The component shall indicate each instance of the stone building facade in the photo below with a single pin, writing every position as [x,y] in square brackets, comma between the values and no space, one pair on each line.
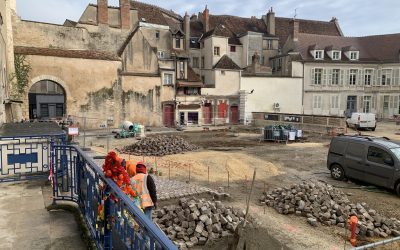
[7,8]
[342,75]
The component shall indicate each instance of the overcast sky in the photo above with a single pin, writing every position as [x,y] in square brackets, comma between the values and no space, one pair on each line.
[356,17]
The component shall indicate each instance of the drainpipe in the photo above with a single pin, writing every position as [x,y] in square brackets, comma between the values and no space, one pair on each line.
[302,92]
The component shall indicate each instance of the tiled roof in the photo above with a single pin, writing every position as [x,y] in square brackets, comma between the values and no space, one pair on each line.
[84,54]
[153,14]
[283,27]
[226,63]
[222,30]
[192,76]
[382,48]
[238,25]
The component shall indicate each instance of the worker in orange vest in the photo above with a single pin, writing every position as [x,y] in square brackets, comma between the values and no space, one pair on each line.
[146,189]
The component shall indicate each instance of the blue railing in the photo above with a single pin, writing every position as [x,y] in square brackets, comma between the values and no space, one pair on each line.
[26,157]
[78,178]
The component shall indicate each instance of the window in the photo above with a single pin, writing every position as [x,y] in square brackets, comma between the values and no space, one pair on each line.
[317,76]
[279,67]
[202,62]
[319,54]
[158,34]
[367,104]
[195,62]
[335,102]
[354,55]
[203,79]
[353,76]
[216,51]
[192,91]
[386,100]
[160,54]
[181,70]
[44,110]
[355,149]
[386,77]
[269,44]
[368,77]
[379,156]
[336,55]
[233,48]
[177,43]
[222,72]
[168,78]
[335,76]
[317,102]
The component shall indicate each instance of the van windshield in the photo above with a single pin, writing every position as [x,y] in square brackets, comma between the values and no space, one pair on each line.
[396,151]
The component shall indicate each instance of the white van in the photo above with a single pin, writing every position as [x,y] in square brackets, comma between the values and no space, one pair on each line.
[362,121]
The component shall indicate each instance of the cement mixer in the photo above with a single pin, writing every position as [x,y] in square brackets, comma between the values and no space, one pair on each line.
[127,129]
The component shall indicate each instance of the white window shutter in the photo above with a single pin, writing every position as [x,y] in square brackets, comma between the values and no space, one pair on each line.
[313,76]
[373,77]
[373,99]
[361,103]
[378,77]
[396,73]
[348,76]
[341,77]
[330,72]
[324,76]
[396,104]
[319,101]
[391,102]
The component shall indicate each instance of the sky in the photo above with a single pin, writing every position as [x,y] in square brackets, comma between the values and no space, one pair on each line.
[356,17]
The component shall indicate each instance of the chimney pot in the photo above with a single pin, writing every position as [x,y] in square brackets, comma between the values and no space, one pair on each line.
[206,19]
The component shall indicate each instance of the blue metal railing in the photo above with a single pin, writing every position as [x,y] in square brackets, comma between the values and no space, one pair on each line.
[78,178]
[26,157]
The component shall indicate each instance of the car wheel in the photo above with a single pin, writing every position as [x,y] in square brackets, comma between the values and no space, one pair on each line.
[337,172]
[373,129]
[398,188]
[118,136]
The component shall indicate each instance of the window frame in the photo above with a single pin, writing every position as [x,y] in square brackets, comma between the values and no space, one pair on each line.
[166,81]
[319,52]
[320,76]
[178,42]
[157,34]
[370,74]
[386,77]
[270,44]
[195,62]
[356,53]
[353,77]
[232,48]
[337,76]
[217,51]
[383,159]
[334,53]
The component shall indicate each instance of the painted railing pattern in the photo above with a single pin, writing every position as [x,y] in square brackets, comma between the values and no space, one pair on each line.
[26,157]
[112,218]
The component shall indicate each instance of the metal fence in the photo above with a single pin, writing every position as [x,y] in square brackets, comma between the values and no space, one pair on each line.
[26,157]
[121,225]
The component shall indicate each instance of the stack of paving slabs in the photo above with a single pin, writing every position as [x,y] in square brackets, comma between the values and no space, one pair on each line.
[159,146]
[195,222]
[323,204]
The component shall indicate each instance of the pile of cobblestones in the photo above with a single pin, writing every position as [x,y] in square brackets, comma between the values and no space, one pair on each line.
[195,222]
[322,203]
[159,146]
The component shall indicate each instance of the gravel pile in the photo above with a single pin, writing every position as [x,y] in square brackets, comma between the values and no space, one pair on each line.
[322,203]
[195,222]
[159,146]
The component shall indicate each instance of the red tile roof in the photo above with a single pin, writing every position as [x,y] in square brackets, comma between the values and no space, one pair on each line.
[84,54]
[226,63]
[192,76]
[154,14]
[381,48]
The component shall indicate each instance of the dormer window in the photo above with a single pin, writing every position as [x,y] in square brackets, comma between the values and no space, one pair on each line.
[336,55]
[354,55]
[319,54]
[160,54]
[178,43]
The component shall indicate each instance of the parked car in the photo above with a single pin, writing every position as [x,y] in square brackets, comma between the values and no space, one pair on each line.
[362,121]
[370,159]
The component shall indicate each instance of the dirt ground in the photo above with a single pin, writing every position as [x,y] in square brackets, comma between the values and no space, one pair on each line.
[276,165]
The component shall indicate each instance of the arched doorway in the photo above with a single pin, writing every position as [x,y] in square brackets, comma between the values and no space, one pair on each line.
[46,100]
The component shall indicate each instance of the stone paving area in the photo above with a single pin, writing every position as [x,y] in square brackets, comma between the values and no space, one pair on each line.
[26,224]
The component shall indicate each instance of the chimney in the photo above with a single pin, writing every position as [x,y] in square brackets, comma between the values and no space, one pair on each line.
[294,29]
[255,63]
[271,22]
[206,19]
[125,12]
[102,12]
[187,31]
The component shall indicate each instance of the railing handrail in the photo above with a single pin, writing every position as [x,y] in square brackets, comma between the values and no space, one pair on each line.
[33,136]
[141,219]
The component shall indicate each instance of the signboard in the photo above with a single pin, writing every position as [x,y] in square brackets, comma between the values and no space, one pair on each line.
[292,118]
[73,131]
[271,117]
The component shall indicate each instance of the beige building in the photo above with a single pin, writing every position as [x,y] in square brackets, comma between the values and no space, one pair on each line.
[344,74]
[114,64]
[7,8]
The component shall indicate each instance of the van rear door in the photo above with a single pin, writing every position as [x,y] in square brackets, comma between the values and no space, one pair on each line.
[354,160]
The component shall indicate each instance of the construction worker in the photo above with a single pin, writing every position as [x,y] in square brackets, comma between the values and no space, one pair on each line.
[146,189]
[131,169]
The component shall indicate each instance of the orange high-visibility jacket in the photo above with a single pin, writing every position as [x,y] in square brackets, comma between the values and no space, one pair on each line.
[142,191]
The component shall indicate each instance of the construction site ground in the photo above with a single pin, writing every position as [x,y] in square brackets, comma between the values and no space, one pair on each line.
[239,151]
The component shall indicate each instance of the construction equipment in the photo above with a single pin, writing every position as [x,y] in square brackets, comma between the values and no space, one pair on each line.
[127,129]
